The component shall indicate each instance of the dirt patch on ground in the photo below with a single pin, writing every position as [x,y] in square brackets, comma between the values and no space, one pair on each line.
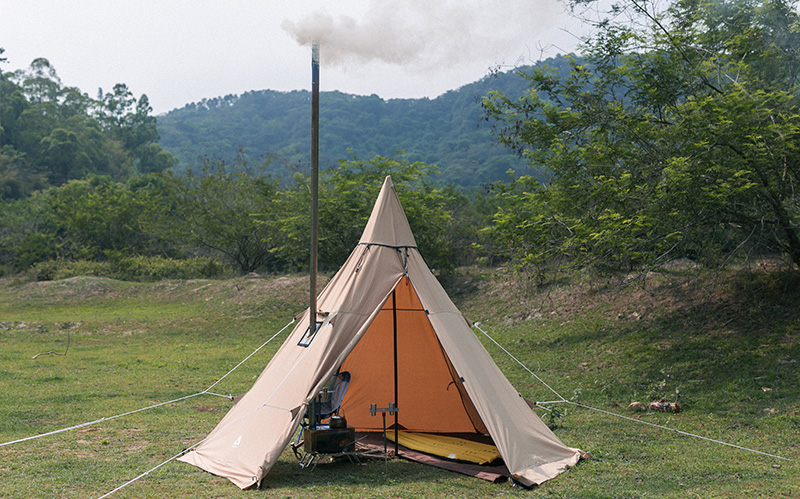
[202,408]
[745,294]
[247,290]
[239,291]
[135,447]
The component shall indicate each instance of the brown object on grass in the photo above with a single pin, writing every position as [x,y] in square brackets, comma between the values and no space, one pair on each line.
[664,406]
[637,407]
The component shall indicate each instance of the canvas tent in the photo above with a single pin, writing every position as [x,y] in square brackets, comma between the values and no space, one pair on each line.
[386,320]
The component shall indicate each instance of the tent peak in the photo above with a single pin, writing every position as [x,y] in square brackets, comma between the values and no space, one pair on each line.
[388,225]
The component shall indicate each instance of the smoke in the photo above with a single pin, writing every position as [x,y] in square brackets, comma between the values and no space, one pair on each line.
[427,34]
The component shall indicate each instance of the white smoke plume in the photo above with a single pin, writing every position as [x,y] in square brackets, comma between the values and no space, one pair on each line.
[428,34]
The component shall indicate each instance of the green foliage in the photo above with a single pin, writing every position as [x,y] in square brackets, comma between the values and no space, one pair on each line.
[52,133]
[675,137]
[239,214]
[95,219]
[214,211]
[27,232]
[347,194]
[525,230]
[62,269]
[99,218]
[16,176]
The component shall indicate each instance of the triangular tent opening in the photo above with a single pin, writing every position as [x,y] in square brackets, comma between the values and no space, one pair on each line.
[429,390]
[389,323]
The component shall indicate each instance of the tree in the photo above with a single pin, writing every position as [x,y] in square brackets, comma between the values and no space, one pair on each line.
[27,232]
[128,120]
[62,155]
[91,219]
[98,219]
[675,135]
[63,134]
[346,196]
[17,178]
[40,82]
[216,209]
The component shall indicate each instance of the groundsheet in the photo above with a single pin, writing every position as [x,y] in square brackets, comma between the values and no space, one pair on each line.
[497,472]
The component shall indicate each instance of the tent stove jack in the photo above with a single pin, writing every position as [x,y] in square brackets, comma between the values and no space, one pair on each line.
[392,410]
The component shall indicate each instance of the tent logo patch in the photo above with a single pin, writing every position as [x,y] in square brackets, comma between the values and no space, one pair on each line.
[237,442]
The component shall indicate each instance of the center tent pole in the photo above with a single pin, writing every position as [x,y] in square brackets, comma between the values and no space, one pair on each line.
[394,325]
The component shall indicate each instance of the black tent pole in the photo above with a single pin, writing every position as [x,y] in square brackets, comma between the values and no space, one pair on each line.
[394,324]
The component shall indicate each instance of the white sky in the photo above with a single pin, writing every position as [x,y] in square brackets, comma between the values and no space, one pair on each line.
[181,51]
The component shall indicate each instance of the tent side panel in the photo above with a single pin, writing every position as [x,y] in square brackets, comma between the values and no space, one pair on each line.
[532,452]
[268,414]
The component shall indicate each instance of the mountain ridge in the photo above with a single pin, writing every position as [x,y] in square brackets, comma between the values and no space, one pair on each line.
[449,131]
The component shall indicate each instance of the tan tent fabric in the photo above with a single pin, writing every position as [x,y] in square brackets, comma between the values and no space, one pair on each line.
[447,382]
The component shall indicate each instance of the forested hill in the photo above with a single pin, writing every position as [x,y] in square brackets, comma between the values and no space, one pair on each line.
[448,131]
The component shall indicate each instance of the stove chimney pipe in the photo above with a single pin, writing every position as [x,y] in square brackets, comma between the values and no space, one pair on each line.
[312,309]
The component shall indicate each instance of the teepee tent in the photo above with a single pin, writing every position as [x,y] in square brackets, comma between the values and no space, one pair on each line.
[386,320]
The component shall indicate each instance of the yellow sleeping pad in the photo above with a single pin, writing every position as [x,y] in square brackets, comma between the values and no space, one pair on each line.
[449,447]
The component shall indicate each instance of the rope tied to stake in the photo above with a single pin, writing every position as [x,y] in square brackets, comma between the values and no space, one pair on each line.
[179,399]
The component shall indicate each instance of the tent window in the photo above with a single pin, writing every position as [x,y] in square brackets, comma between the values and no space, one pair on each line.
[308,336]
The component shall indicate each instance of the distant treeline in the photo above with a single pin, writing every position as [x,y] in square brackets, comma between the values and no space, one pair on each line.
[86,186]
[235,216]
[85,180]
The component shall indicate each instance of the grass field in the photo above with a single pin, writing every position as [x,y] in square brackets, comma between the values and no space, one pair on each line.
[726,348]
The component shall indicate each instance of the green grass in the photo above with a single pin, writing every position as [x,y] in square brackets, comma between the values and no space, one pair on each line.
[727,349]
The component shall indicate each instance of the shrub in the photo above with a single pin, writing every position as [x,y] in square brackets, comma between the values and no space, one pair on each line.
[136,268]
[52,270]
[155,268]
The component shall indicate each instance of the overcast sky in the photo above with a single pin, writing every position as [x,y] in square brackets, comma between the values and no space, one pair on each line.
[181,51]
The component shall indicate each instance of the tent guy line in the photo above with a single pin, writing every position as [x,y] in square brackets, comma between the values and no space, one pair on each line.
[187,449]
[609,413]
[478,327]
[179,399]
[677,431]
[248,357]
[132,480]
[96,421]
[265,404]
